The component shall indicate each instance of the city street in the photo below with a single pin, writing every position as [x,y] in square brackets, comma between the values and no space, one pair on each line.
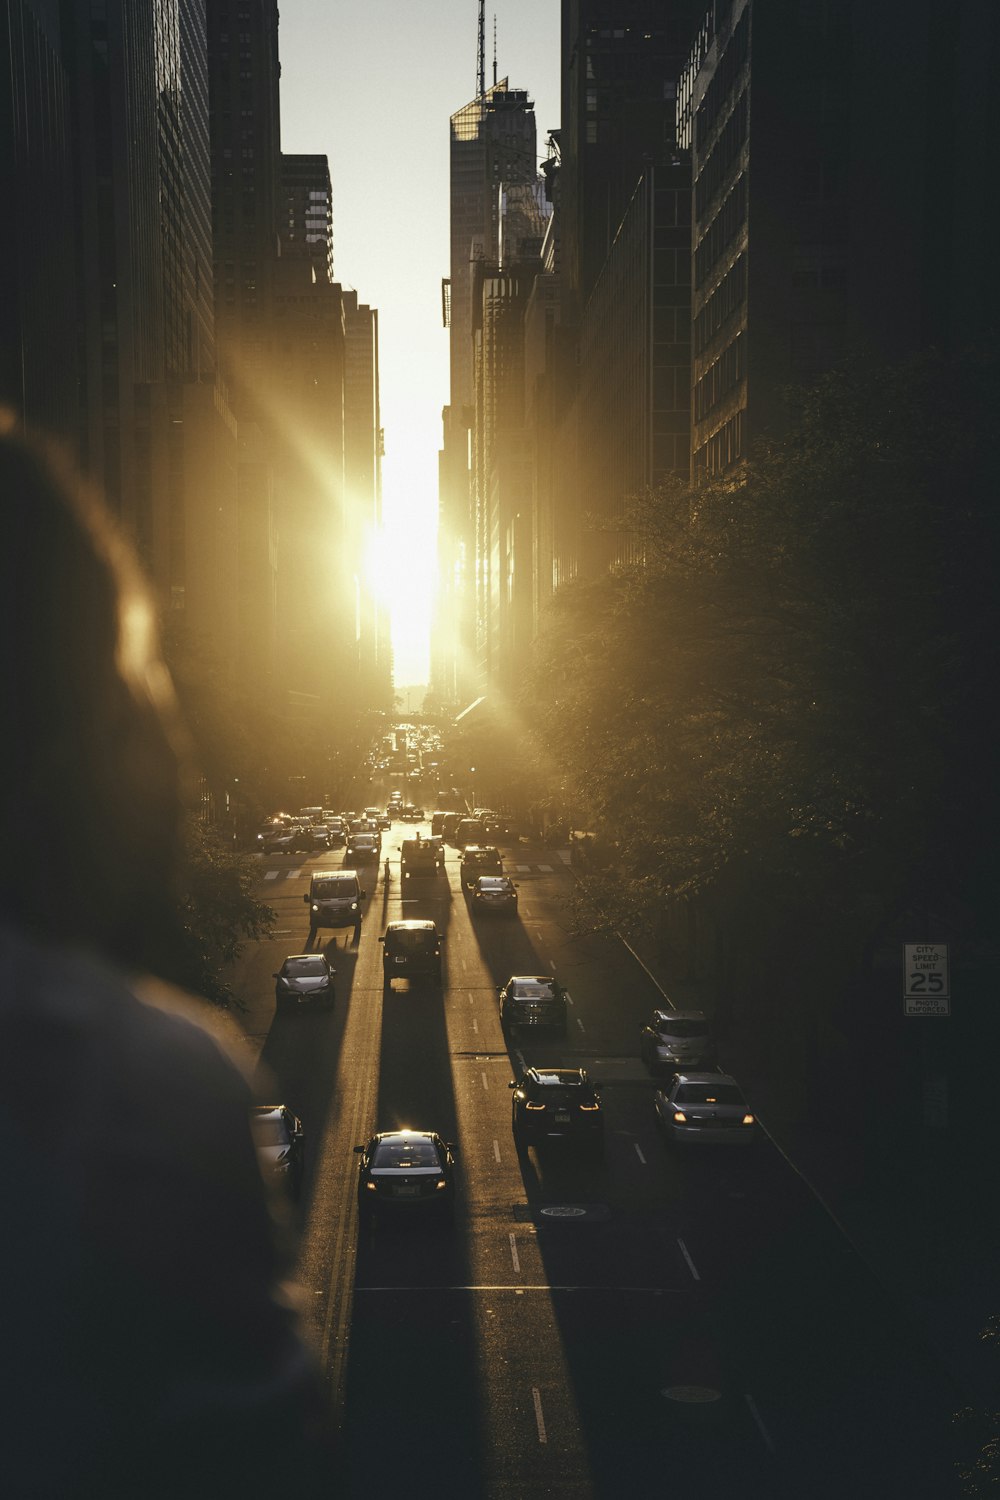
[648,1320]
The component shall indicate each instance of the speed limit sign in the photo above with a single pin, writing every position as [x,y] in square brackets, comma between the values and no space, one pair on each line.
[926,985]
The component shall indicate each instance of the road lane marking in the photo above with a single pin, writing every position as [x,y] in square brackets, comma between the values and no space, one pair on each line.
[496,1149]
[568,997]
[580,1024]
[552,965]
[638,1152]
[522,869]
[545,869]
[485,1081]
[475,1025]
[292,874]
[687,1256]
[513,1255]
[539,1418]
[765,1435]
[271,874]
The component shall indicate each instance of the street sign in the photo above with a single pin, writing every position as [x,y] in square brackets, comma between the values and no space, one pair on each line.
[926,987]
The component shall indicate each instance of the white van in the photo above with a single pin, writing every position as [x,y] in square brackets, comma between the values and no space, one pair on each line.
[334,900]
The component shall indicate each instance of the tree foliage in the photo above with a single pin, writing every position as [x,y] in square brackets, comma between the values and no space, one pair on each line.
[787,708]
[219,912]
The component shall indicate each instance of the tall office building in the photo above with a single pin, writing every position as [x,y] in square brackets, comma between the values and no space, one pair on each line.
[246,186]
[363,486]
[493,142]
[839,151]
[306,211]
[621,60]
[39,370]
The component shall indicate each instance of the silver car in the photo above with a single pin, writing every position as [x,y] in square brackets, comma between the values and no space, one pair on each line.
[705,1109]
[675,1040]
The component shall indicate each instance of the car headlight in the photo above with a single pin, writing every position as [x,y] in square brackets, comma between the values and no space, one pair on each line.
[315,908]
[748,1119]
[441,1183]
[354,906]
[371,1186]
[680,1117]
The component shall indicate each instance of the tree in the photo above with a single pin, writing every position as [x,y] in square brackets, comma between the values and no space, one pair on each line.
[787,709]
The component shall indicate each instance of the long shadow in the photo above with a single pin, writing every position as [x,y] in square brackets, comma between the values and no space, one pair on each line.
[408,1271]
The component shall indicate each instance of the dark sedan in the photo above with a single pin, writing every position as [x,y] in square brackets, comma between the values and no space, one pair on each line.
[494,893]
[557,1104]
[304,981]
[406,1171]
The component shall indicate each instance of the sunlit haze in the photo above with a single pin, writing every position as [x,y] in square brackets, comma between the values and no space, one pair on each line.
[373,87]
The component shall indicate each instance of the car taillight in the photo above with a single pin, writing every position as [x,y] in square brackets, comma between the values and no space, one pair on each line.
[531,1105]
[747,1119]
[590,1107]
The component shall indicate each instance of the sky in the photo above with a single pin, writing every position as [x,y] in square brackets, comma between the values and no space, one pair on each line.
[372,84]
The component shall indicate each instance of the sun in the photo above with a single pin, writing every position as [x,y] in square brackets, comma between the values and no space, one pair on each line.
[400,567]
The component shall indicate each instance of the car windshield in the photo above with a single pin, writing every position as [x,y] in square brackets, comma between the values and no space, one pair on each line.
[534,989]
[709,1093]
[363,840]
[336,886]
[304,968]
[409,1152]
[269,1130]
[670,1026]
[493,883]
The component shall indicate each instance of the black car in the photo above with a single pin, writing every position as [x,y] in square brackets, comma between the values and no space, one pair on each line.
[494,893]
[535,1000]
[280,1142]
[412,950]
[479,859]
[406,1171]
[557,1104]
[304,982]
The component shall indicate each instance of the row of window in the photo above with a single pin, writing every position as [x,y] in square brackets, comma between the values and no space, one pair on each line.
[721,232]
[732,139]
[727,297]
[720,378]
[728,70]
[725,447]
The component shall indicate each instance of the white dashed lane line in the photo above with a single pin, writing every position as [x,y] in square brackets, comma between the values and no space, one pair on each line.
[759,1421]
[539,1416]
[513,1255]
[638,1152]
[496,1149]
[475,1025]
[271,874]
[485,1081]
[580,1024]
[687,1256]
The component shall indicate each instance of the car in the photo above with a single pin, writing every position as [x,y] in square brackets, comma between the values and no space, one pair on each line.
[406,1172]
[479,859]
[334,899]
[419,856]
[409,813]
[336,831]
[535,1000]
[495,893]
[705,1109]
[439,820]
[280,1141]
[468,831]
[411,950]
[556,1104]
[675,1040]
[436,843]
[304,981]
[363,848]
[281,841]
[318,836]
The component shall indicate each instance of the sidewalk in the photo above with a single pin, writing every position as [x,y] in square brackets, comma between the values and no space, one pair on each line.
[921,1215]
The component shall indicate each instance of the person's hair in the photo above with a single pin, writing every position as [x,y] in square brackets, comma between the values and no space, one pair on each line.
[92,747]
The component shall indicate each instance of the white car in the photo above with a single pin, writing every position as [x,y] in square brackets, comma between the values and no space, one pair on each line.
[705,1109]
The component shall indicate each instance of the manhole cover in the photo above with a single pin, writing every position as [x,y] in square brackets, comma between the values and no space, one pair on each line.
[692,1395]
[564,1211]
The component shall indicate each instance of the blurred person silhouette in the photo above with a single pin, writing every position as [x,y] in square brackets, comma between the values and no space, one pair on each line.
[147,1347]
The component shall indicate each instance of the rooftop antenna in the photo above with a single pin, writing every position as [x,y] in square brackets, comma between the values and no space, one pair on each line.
[494,49]
[482,50]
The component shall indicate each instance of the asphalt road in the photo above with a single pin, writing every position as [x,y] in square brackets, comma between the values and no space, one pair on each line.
[656,1323]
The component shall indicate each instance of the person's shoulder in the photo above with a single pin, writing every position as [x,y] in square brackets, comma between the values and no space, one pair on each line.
[70,993]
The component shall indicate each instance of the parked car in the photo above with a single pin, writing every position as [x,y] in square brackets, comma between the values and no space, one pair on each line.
[676,1040]
[705,1109]
[479,859]
[280,1142]
[494,893]
[411,950]
[304,982]
[406,1172]
[556,1104]
[533,1000]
